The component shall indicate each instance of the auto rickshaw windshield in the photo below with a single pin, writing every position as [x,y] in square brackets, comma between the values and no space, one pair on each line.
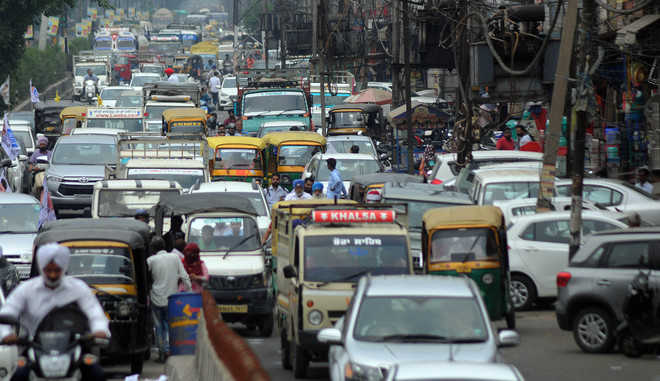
[237,158]
[111,262]
[296,154]
[462,245]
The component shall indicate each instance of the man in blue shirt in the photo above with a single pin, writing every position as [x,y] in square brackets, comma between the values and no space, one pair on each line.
[336,187]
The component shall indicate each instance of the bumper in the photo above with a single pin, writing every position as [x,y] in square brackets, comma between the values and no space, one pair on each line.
[563,320]
[72,202]
[259,302]
[311,344]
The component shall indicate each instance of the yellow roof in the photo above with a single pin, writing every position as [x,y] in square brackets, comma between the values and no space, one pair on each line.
[277,138]
[284,205]
[217,141]
[463,215]
[184,112]
[208,46]
[73,111]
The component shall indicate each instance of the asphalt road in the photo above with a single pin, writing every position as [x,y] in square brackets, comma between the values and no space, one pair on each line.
[546,353]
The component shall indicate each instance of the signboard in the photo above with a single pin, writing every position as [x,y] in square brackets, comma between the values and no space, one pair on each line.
[113,113]
[353,216]
[53,26]
[93,13]
[165,171]
[29,33]
[131,12]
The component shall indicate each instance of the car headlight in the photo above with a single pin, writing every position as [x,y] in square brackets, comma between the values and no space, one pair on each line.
[354,371]
[315,317]
[26,257]
[487,278]
[54,365]
[55,179]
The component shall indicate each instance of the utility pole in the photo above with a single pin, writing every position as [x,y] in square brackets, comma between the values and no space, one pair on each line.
[551,143]
[582,106]
[264,34]
[396,68]
[464,95]
[236,21]
[406,68]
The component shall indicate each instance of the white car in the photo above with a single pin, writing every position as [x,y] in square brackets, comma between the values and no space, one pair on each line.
[445,164]
[349,165]
[228,92]
[512,209]
[343,144]
[504,184]
[111,94]
[538,250]
[140,79]
[616,195]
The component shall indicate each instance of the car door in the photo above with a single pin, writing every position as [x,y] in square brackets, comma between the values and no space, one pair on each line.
[545,252]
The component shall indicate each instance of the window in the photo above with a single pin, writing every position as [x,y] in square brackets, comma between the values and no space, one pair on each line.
[590,226]
[524,210]
[627,255]
[596,194]
[548,231]
[594,260]
[463,245]
[509,191]
[224,233]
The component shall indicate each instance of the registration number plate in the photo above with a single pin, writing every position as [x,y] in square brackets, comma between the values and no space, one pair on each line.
[241,309]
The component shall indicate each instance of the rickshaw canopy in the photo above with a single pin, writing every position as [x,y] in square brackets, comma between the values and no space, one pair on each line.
[78,112]
[463,215]
[278,138]
[363,107]
[186,113]
[100,224]
[219,141]
[133,239]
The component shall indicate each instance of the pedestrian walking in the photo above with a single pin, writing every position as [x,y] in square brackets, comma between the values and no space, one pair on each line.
[336,188]
[195,267]
[166,271]
[214,88]
[298,192]
[274,193]
[175,232]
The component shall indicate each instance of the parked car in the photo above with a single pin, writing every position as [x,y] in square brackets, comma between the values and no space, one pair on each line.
[399,319]
[446,168]
[504,184]
[591,290]
[538,250]
[617,195]
[228,92]
[512,209]
[19,223]
[463,182]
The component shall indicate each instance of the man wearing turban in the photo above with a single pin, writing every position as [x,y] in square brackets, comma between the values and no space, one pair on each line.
[298,192]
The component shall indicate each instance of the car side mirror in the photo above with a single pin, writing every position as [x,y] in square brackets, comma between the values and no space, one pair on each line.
[508,338]
[330,336]
[6,163]
[289,271]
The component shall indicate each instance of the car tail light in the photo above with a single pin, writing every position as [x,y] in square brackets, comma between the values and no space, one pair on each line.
[563,278]
[146,114]
[436,181]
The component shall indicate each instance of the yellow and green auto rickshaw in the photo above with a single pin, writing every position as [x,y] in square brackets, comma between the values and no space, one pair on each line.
[471,241]
[184,121]
[288,152]
[236,158]
[109,254]
[72,117]
[352,119]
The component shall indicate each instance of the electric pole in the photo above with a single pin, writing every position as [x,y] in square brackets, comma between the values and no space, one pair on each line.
[406,63]
[396,40]
[264,33]
[551,143]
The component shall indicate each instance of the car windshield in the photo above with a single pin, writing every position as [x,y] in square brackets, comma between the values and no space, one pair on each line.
[296,155]
[104,265]
[81,70]
[141,80]
[111,94]
[163,47]
[130,99]
[125,203]
[104,44]
[19,218]
[185,177]
[223,233]
[344,146]
[85,154]
[126,44]
[130,125]
[24,139]
[156,112]
[349,168]
[344,258]
[416,209]
[267,101]
[152,69]
[462,245]
[237,158]
[414,318]
[231,82]
[510,191]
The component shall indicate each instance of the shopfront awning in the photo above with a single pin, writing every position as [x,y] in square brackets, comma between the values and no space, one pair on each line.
[627,36]
[421,113]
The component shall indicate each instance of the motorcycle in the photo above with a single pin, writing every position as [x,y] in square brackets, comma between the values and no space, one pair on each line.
[639,333]
[89,91]
[39,175]
[59,347]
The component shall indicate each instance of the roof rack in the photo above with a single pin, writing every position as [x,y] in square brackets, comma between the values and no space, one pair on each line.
[147,145]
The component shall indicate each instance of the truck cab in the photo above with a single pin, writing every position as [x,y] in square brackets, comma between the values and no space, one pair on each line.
[321,249]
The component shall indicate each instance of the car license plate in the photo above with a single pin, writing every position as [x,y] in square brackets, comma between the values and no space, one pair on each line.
[463,268]
[241,309]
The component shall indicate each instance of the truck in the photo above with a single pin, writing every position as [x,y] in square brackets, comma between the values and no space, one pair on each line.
[272,96]
[100,66]
[320,249]
[160,96]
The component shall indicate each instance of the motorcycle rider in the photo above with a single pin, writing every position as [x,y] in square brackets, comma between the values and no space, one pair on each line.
[38,174]
[33,299]
[91,77]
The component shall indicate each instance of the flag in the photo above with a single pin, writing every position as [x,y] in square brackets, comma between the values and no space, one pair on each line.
[4,91]
[57,96]
[47,211]
[34,94]
[9,144]
[4,184]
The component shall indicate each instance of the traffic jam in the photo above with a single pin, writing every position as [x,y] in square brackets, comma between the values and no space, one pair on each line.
[342,237]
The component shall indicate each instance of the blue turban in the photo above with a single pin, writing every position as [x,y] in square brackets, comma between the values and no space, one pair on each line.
[317,186]
[298,182]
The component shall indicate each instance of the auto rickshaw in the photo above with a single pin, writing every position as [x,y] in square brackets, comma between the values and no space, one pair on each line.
[110,256]
[72,117]
[179,63]
[287,153]
[47,118]
[184,120]
[363,185]
[236,158]
[351,119]
[471,241]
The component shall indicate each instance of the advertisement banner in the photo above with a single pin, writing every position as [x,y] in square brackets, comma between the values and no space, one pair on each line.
[53,26]
[92,13]
[29,33]
[131,12]
[122,12]
[79,29]
[109,13]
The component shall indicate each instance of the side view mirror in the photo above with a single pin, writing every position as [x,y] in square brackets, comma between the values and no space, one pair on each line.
[330,336]
[508,338]
[6,163]
[289,271]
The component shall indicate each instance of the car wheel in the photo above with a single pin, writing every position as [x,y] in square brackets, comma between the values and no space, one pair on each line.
[593,330]
[523,292]
[299,361]
[285,356]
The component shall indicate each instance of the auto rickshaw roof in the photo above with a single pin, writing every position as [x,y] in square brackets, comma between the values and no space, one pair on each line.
[184,113]
[186,204]
[51,105]
[463,215]
[386,177]
[124,224]
[277,138]
[217,141]
[73,111]
[366,107]
[133,239]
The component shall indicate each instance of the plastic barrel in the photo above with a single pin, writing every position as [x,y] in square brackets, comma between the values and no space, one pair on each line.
[183,311]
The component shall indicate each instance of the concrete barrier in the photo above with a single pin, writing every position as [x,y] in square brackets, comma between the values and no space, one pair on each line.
[220,353]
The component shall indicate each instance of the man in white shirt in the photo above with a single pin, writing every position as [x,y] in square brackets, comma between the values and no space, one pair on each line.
[214,88]
[166,270]
[33,299]
[275,193]
[298,192]
[643,180]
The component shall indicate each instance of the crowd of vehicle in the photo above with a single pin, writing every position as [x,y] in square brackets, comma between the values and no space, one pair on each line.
[399,277]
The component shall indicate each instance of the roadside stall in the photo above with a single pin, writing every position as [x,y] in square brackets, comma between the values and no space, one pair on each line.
[236,158]
[72,117]
[287,153]
[126,119]
[185,121]
[351,119]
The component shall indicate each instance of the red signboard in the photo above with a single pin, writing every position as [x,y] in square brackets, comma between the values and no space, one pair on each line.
[353,216]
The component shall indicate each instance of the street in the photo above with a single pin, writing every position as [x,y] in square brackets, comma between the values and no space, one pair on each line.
[545,354]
